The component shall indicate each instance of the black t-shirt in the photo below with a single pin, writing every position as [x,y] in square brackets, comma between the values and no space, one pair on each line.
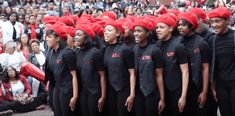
[180,52]
[118,58]
[127,54]
[204,47]
[175,54]
[89,62]
[225,58]
[157,56]
[60,63]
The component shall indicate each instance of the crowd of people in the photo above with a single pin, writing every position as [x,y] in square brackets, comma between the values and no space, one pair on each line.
[117,58]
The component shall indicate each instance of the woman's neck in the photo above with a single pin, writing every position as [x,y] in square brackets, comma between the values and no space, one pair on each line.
[143,43]
[12,79]
[113,42]
[56,47]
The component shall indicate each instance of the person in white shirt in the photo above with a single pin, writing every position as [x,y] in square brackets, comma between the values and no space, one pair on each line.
[12,57]
[12,29]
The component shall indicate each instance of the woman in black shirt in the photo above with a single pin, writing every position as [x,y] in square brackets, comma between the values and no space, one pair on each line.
[90,70]
[175,67]
[198,53]
[61,71]
[223,63]
[119,64]
[150,99]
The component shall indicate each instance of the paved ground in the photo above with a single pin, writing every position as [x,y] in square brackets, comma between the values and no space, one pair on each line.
[46,112]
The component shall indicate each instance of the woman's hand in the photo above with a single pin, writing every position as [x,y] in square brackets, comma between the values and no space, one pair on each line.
[161,106]
[101,104]
[129,103]
[202,99]
[181,104]
[72,103]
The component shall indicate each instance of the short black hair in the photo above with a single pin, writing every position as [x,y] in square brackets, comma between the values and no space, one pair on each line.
[12,14]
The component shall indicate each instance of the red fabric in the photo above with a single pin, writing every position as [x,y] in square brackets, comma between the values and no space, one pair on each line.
[7,87]
[173,16]
[59,28]
[110,15]
[117,25]
[161,10]
[25,53]
[126,22]
[167,20]
[98,29]
[28,69]
[192,18]
[70,30]
[1,48]
[88,30]
[67,20]
[221,12]
[33,31]
[174,11]
[144,23]
[199,12]
[49,18]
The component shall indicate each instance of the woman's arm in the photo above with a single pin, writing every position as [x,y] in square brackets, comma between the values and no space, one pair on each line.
[185,80]
[103,91]
[26,84]
[205,76]
[75,90]
[160,84]
[130,99]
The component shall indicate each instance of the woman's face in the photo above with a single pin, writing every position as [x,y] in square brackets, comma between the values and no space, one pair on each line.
[52,41]
[126,31]
[10,50]
[140,34]
[24,39]
[11,72]
[35,47]
[110,33]
[218,24]
[79,38]
[183,28]
[21,19]
[163,31]
[8,10]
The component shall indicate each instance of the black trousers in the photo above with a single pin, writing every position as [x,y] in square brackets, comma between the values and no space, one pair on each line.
[211,104]
[192,101]
[115,103]
[225,92]
[17,107]
[171,101]
[88,103]
[5,105]
[146,105]
[61,102]
[50,96]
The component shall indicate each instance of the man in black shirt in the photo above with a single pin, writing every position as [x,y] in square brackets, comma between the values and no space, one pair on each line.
[223,65]
[175,67]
